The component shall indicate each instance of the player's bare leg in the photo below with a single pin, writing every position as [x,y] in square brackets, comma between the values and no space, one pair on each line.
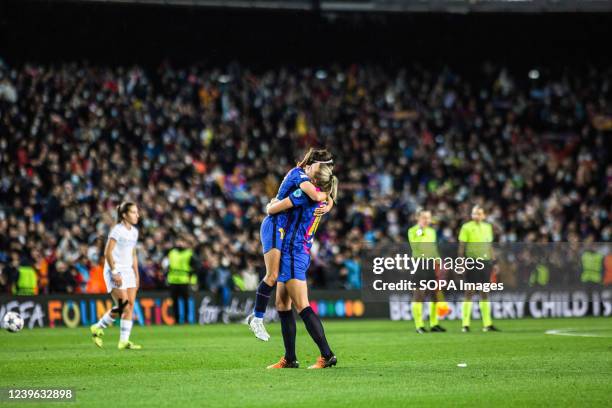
[272,261]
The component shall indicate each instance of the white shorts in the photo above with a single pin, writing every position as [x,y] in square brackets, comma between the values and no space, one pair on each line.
[128,279]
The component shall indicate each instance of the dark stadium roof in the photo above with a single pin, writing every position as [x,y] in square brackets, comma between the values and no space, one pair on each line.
[450,6]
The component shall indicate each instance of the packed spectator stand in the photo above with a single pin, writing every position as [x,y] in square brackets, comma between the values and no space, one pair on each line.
[203,150]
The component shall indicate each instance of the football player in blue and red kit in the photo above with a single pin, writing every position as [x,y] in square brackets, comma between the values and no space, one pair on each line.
[273,230]
[292,289]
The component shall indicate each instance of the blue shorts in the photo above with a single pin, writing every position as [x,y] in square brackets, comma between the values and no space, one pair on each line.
[293,267]
[271,234]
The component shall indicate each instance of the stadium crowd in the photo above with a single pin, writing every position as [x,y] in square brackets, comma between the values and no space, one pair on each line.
[203,150]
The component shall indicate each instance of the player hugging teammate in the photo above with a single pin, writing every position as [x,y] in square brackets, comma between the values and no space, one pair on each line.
[300,215]
[273,229]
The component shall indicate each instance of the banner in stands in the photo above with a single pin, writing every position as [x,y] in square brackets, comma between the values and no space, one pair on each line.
[156,308]
[516,305]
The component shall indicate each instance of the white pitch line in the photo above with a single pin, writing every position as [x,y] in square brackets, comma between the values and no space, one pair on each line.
[568,332]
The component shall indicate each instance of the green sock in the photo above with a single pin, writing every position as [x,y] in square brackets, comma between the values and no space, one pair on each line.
[485,311]
[417,314]
[466,312]
[433,315]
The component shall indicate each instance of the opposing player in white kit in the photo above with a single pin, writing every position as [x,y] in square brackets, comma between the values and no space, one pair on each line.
[121,276]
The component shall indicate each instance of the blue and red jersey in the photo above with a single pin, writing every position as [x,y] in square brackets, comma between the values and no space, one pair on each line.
[291,182]
[302,223]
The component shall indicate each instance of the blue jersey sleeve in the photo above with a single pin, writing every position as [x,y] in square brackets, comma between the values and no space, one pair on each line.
[298,176]
[292,180]
[298,198]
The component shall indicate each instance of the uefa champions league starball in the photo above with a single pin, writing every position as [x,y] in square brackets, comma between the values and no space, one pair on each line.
[12,322]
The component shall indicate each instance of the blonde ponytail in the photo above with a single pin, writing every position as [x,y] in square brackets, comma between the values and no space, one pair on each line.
[333,191]
[324,179]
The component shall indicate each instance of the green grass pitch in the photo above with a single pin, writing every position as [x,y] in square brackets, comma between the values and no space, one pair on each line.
[381,363]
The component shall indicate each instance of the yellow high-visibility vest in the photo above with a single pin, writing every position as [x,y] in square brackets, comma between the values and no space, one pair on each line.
[179,270]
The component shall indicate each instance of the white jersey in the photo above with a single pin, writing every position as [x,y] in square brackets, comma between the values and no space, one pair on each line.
[123,253]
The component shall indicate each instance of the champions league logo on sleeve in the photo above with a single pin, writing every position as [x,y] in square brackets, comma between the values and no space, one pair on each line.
[297,193]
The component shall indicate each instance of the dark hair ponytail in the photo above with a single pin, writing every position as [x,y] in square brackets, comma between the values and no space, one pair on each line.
[316,156]
[123,209]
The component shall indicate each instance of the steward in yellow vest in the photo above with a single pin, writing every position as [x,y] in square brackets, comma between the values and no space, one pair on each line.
[592,267]
[181,275]
[27,282]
